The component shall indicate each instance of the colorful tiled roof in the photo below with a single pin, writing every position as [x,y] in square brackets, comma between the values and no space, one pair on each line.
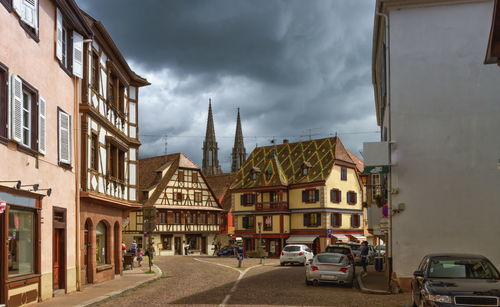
[281,165]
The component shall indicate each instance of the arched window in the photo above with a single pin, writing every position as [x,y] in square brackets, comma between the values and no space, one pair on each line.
[101,251]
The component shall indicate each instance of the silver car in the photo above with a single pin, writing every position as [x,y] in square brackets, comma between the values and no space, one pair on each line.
[331,268]
[296,253]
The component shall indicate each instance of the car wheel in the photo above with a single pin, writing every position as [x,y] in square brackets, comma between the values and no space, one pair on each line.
[282,263]
[309,283]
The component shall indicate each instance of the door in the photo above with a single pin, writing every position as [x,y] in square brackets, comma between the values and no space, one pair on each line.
[58,259]
[203,245]
[178,245]
[86,255]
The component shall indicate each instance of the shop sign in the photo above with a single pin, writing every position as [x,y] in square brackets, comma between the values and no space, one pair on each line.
[382,169]
[3,205]
[330,233]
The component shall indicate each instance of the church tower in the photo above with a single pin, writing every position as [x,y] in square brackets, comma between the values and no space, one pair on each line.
[238,155]
[210,150]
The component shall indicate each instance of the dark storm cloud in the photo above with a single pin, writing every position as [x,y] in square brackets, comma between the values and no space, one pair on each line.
[290,65]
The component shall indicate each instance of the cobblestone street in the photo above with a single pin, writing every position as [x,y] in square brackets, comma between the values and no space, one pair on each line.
[214,281]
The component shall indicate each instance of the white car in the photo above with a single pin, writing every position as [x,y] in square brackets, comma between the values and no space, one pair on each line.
[296,253]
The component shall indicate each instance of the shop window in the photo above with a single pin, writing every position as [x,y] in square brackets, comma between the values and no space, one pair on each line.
[166,242]
[335,196]
[21,246]
[268,222]
[343,173]
[192,241]
[197,197]
[312,219]
[138,239]
[101,244]
[310,196]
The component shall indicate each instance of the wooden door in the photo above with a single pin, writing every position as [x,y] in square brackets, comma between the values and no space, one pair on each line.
[58,259]
[86,250]
[178,245]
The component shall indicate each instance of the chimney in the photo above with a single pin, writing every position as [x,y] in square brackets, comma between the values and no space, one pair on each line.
[285,141]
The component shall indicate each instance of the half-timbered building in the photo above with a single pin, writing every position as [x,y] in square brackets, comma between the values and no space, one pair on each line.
[188,213]
[306,192]
[109,150]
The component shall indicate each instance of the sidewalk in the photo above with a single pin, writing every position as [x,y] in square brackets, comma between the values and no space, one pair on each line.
[94,293]
[374,283]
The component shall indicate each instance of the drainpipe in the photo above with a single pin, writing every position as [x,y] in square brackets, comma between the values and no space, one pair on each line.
[389,135]
[76,148]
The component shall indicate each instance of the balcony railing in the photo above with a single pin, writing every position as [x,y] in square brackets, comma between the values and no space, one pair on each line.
[271,206]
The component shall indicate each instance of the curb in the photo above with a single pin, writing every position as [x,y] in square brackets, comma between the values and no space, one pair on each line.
[158,275]
[369,291]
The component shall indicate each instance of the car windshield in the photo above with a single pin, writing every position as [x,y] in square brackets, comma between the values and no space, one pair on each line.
[338,250]
[462,268]
[291,248]
[329,258]
[381,247]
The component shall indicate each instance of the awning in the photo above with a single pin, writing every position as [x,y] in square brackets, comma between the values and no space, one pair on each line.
[359,237]
[301,239]
[340,237]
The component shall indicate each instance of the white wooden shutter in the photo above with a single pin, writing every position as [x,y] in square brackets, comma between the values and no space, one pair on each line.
[77,55]
[18,6]
[59,35]
[16,109]
[30,13]
[41,125]
[64,138]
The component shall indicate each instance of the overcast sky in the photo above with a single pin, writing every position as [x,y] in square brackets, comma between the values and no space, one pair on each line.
[295,68]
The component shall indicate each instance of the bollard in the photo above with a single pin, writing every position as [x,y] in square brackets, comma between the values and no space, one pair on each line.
[240,259]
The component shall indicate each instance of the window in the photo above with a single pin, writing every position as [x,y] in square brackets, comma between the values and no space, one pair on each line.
[94,152]
[194,177]
[21,238]
[248,222]
[211,219]
[177,217]
[116,154]
[178,196]
[355,220]
[305,168]
[116,97]
[95,71]
[336,220]
[305,171]
[197,197]
[69,46]
[100,242]
[255,172]
[375,185]
[64,137]
[203,218]
[273,197]
[310,196]
[166,241]
[335,196]
[268,222]
[189,218]
[247,199]
[163,217]
[352,198]
[343,173]
[28,12]
[26,122]
[180,176]
[312,219]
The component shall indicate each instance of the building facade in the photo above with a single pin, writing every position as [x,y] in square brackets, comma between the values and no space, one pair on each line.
[40,72]
[109,154]
[188,213]
[307,192]
[437,106]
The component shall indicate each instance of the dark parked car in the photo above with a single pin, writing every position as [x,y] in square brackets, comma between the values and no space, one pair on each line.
[456,280]
[228,251]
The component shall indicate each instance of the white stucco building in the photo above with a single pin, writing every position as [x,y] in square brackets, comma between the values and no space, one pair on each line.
[438,106]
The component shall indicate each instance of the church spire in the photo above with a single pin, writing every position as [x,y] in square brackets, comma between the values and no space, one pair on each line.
[210,150]
[239,153]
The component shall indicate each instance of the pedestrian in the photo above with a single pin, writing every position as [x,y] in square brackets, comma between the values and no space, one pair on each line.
[133,248]
[139,256]
[186,249]
[124,248]
[364,256]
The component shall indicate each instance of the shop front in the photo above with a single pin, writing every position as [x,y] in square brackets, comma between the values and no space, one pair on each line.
[20,263]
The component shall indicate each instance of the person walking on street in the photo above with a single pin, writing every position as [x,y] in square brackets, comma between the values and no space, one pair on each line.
[133,248]
[364,256]
[139,256]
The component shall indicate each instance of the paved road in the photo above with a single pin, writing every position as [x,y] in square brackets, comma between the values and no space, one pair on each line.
[215,281]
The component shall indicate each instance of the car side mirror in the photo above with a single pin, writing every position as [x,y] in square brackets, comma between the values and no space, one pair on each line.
[418,273]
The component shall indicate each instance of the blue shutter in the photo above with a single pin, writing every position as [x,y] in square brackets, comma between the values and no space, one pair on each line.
[316,195]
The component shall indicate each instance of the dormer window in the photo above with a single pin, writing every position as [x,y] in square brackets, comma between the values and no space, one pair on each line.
[255,173]
[305,168]
[269,174]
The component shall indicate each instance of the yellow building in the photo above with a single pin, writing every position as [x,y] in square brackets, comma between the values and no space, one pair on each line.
[307,192]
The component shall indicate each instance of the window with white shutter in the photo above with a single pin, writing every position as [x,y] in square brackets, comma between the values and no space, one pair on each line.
[16,105]
[64,138]
[30,13]
[77,55]
[41,125]
[59,35]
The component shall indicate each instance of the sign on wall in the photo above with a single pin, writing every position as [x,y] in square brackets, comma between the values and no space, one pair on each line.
[3,205]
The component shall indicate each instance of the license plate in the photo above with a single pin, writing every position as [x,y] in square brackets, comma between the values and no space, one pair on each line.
[332,277]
